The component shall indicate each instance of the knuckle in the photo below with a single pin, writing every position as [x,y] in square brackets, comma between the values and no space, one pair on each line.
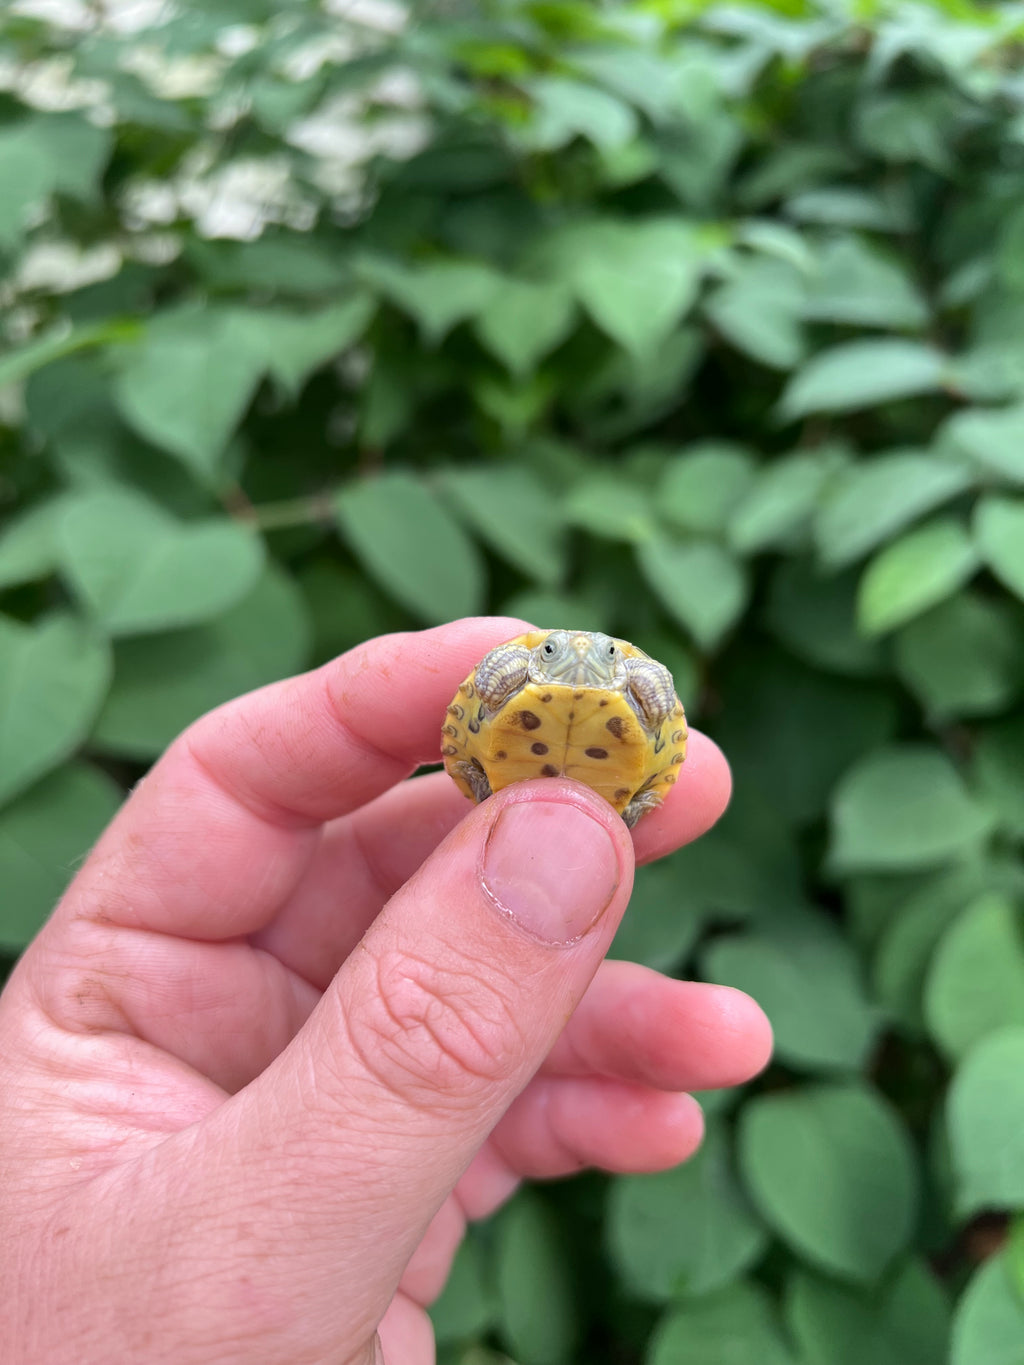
[437,1035]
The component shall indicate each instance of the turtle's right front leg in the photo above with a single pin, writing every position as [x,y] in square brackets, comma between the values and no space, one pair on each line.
[500,674]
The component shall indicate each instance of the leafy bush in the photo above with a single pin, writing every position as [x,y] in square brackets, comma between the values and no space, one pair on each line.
[702,325]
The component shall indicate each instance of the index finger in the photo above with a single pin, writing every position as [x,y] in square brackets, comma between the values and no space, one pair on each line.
[216,837]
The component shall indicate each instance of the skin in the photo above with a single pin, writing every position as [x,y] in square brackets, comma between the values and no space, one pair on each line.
[296,1020]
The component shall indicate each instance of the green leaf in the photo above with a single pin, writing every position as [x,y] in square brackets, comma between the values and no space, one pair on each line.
[860,374]
[611,507]
[662,926]
[780,501]
[764,730]
[904,1322]
[736,1326]
[915,927]
[746,867]
[985,1116]
[870,500]
[536,1307]
[858,286]
[999,535]
[698,582]
[341,608]
[904,807]
[976,981]
[636,279]
[806,978]
[44,154]
[410,544]
[53,677]
[139,570]
[812,612]
[963,658]
[847,206]
[914,573]
[297,344]
[44,350]
[832,1171]
[993,437]
[908,126]
[989,1325]
[758,310]
[162,683]
[685,1231]
[702,485]
[465,1309]
[437,294]
[187,385]
[524,320]
[564,108]
[513,511]
[28,545]
[44,835]
[557,610]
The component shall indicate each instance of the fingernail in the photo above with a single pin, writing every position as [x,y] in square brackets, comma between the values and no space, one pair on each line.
[551,867]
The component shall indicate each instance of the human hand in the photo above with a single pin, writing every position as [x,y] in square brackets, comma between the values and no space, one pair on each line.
[296,1020]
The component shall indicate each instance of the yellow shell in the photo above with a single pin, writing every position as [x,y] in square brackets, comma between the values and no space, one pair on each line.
[596,734]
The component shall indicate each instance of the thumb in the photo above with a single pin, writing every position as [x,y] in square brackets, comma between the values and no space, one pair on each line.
[353,1139]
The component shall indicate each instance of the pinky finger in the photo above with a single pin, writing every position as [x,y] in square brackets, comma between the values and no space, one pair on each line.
[559,1125]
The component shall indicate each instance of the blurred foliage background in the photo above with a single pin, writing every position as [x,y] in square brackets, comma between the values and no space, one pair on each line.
[702,324]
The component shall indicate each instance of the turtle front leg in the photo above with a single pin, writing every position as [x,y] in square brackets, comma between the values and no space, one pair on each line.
[652,693]
[500,674]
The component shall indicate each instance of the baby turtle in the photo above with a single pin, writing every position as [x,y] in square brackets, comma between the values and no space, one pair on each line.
[572,703]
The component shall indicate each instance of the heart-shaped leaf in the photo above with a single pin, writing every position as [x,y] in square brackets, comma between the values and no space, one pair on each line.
[138,570]
[53,677]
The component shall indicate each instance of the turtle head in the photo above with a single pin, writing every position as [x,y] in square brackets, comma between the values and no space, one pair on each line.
[579,658]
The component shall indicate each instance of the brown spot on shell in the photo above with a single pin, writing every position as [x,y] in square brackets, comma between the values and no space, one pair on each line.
[576,696]
[549,770]
[622,794]
[457,711]
[603,701]
[469,690]
[677,758]
[501,755]
[528,720]
[677,735]
[596,753]
[617,726]
[449,749]
[572,715]
[473,727]
[546,696]
[538,748]
[670,777]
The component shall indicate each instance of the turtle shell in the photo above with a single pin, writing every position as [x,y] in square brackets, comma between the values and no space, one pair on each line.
[594,734]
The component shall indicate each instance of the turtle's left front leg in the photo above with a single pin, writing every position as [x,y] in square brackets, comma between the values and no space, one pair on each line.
[651,691]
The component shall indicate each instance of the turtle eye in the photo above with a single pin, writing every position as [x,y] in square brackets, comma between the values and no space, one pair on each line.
[549,649]
[611,651]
